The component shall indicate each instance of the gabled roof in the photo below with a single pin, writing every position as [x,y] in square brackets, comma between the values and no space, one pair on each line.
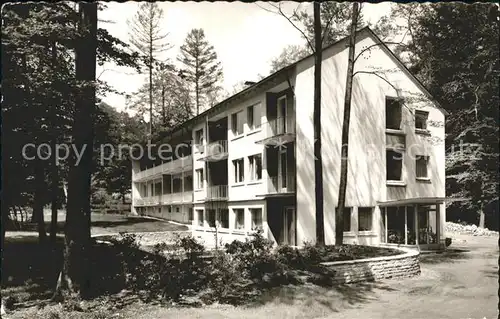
[285,73]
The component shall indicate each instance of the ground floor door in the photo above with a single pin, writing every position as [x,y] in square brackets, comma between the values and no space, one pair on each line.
[289,226]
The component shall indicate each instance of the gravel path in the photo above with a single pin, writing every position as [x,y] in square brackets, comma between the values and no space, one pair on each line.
[452,285]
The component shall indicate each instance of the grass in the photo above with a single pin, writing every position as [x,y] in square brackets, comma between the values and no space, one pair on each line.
[111,223]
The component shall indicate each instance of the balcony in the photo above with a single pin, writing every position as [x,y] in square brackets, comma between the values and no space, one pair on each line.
[165,199]
[179,165]
[281,184]
[217,192]
[278,131]
[149,201]
[179,197]
[215,151]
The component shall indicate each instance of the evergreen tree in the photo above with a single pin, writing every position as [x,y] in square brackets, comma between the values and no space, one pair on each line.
[201,69]
[147,37]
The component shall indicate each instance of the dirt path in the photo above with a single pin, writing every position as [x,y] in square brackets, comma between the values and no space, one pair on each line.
[452,285]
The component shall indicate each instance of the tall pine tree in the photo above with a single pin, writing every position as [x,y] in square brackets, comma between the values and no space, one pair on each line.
[201,67]
[147,37]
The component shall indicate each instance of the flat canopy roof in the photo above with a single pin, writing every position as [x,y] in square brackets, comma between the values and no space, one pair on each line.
[412,201]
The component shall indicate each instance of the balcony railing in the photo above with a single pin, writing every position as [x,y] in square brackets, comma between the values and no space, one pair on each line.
[217,192]
[178,165]
[165,199]
[281,184]
[151,201]
[215,151]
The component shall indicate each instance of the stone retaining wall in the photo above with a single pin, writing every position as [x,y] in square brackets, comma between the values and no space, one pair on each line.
[398,266]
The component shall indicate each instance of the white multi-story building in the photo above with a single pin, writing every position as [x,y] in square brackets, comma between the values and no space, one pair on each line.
[251,164]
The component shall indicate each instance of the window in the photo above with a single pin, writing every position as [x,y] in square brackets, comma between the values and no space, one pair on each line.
[188,183]
[224,218]
[239,215]
[237,123]
[421,120]
[157,188]
[394,162]
[250,117]
[199,178]
[211,218]
[365,218]
[177,209]
[255,167]
[256,214]
[199,214]
[347,219]
[198,140]
[393,113]
[190,214]
[253,116]
[238,170]
[422,163]
[177,184]
[169,209]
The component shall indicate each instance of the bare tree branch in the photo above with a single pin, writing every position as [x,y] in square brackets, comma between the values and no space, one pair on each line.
[374,45]
[280,12]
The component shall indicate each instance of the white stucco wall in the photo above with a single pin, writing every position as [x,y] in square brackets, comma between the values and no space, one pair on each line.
[367,162]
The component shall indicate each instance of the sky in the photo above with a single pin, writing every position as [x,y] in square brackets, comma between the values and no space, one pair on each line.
[245,37]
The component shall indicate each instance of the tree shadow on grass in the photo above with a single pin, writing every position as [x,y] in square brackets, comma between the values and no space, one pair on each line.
[448,256]
[121,223]
[333,298]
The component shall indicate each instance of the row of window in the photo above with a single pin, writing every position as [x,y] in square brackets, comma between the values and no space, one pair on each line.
[394,166]
[393,115]
[254,170]
[169,185]
[253,119]
[365,219]
[220,218]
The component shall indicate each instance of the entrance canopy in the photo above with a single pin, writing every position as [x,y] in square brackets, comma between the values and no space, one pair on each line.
[414,201]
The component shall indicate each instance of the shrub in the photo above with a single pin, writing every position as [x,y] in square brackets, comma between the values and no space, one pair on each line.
[290,256]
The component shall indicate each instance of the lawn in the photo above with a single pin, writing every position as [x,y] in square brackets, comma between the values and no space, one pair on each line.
[111,223]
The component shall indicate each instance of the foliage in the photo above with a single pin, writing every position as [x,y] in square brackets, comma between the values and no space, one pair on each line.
[172,102]
[455,50]
[290,54]
[335,21]
[201,68]
[113,131]
[146,34]
[38,42]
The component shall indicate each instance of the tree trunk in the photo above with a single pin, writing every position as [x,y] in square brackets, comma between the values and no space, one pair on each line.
[339,216]
[481,217]
[39,200]
[54,203]
[197,98]
[74,278]
[55,171]
[318,163]
[163,113]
